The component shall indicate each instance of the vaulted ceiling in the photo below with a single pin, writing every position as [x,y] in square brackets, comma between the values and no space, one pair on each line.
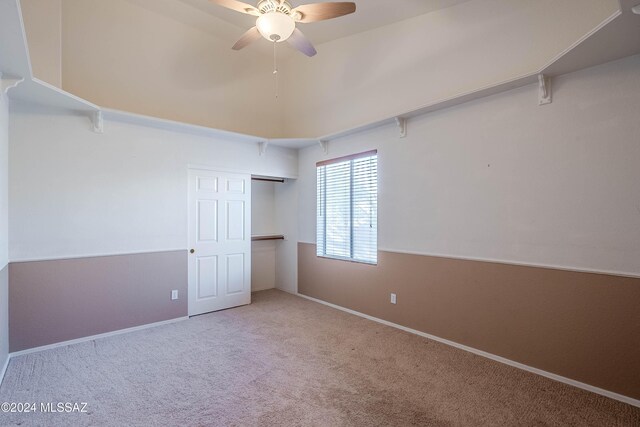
[172,58]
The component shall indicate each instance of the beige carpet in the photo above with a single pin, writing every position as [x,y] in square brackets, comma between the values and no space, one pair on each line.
[287,361]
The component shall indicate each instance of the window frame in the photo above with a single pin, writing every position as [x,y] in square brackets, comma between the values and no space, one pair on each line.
[350,158]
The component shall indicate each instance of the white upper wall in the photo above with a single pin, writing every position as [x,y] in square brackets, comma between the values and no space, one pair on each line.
[504,179]
[43,25]
[263,209]
[401,67]
[78,193]
[121,55]
[286,216]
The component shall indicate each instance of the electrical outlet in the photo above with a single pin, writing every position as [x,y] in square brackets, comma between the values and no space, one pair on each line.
[174,295]
[393,299]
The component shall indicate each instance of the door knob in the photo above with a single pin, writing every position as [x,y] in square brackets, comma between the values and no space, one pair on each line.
[192,250]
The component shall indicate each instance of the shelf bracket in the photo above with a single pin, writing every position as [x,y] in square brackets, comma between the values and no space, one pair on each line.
[262,147]
[544,89]
[7,83]
[324,145]
[98,121]
[402,125]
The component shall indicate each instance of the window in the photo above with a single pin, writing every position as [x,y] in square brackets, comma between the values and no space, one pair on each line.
[347,217]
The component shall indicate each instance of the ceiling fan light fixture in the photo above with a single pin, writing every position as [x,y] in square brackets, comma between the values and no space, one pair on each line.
[277,20]
[276,26]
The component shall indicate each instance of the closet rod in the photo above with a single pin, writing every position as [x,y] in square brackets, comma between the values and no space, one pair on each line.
[270,237]
[260,178]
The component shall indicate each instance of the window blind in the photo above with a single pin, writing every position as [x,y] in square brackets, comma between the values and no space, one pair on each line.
[347,208]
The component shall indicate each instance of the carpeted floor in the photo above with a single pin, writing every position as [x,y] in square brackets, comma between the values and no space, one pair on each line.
[284,360]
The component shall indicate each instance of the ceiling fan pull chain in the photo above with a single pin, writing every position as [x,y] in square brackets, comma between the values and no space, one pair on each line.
[275,66]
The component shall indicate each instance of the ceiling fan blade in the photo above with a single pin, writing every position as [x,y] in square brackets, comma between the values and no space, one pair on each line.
[238,6]
[302,43]
[247,38]
[320,11]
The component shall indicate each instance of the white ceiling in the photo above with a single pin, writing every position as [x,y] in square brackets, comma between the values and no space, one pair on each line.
[370,14]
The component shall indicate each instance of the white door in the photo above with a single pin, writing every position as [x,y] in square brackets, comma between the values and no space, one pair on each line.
[219,240]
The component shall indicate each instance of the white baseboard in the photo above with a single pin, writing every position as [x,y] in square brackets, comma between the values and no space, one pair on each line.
[94,337]
[569,381]
[4,368]
[263,289]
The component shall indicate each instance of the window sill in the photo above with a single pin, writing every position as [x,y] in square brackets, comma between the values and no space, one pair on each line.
[356,261]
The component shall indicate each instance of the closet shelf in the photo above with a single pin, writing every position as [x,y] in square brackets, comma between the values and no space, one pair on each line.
[258,238]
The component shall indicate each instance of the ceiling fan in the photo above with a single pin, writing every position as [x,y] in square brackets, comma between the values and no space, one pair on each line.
[277,20]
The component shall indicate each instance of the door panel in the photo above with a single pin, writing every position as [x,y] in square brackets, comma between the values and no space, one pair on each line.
[235,273]
[206,183]
[220,236]
[207,220]
[207,276]
[235,220]
[236,186]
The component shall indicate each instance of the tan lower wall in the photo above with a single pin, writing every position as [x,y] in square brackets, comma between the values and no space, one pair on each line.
[581,326]
[61,300]
[4,317]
